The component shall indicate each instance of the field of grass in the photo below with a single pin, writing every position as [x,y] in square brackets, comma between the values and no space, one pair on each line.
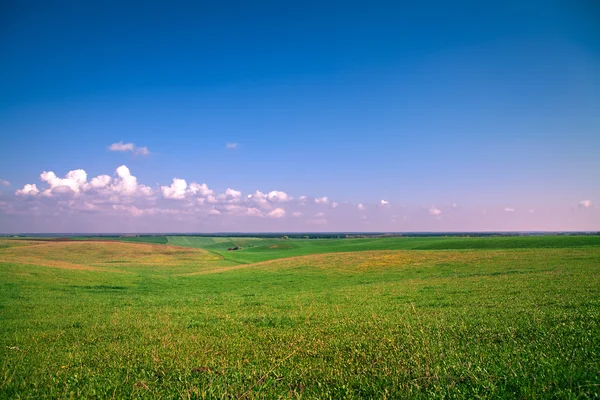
[219,244]
[258,249]
[145,239]
[350,318]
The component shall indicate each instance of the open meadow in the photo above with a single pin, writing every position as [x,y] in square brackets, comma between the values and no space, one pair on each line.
[183,317]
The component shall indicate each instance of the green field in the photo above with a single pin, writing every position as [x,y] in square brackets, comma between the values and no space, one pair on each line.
[258,249]
[183,317]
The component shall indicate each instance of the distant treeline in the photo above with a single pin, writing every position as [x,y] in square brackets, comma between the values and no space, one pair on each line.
[354,235]
[161,238]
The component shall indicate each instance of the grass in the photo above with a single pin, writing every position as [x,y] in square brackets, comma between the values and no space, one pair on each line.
[403,317]
[145,239]
[258,249]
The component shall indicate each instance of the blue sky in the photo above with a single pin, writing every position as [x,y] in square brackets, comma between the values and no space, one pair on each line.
[466,108]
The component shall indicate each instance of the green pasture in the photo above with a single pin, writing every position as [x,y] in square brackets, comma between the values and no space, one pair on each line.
[301,318]
[259,249]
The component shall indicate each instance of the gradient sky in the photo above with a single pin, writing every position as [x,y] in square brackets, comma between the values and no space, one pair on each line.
[440,116]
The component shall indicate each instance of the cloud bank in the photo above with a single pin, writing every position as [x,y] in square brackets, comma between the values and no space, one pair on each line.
[119,202]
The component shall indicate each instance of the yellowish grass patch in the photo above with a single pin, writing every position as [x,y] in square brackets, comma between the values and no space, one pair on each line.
[88,255]
[380,260]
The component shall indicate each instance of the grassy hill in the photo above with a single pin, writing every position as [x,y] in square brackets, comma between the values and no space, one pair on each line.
[220,244]
[258,249]
[516,318]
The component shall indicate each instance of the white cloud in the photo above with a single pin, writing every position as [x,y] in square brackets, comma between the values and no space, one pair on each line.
[277,213]
[177,189]
[231,195]
[143,151]
[120,146]
[201,190]
[434,211]
[122,194]
[28,190]
[254,212]
[75,183]
[4,183]
[127,184]
[278,196]
[212,199]
[361,206]
[585,203]
[322,200]
[99,182]
[231,145]
[266,200]
[74,180]
[384,203]
[509,209]
[454,205]
[259,198]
